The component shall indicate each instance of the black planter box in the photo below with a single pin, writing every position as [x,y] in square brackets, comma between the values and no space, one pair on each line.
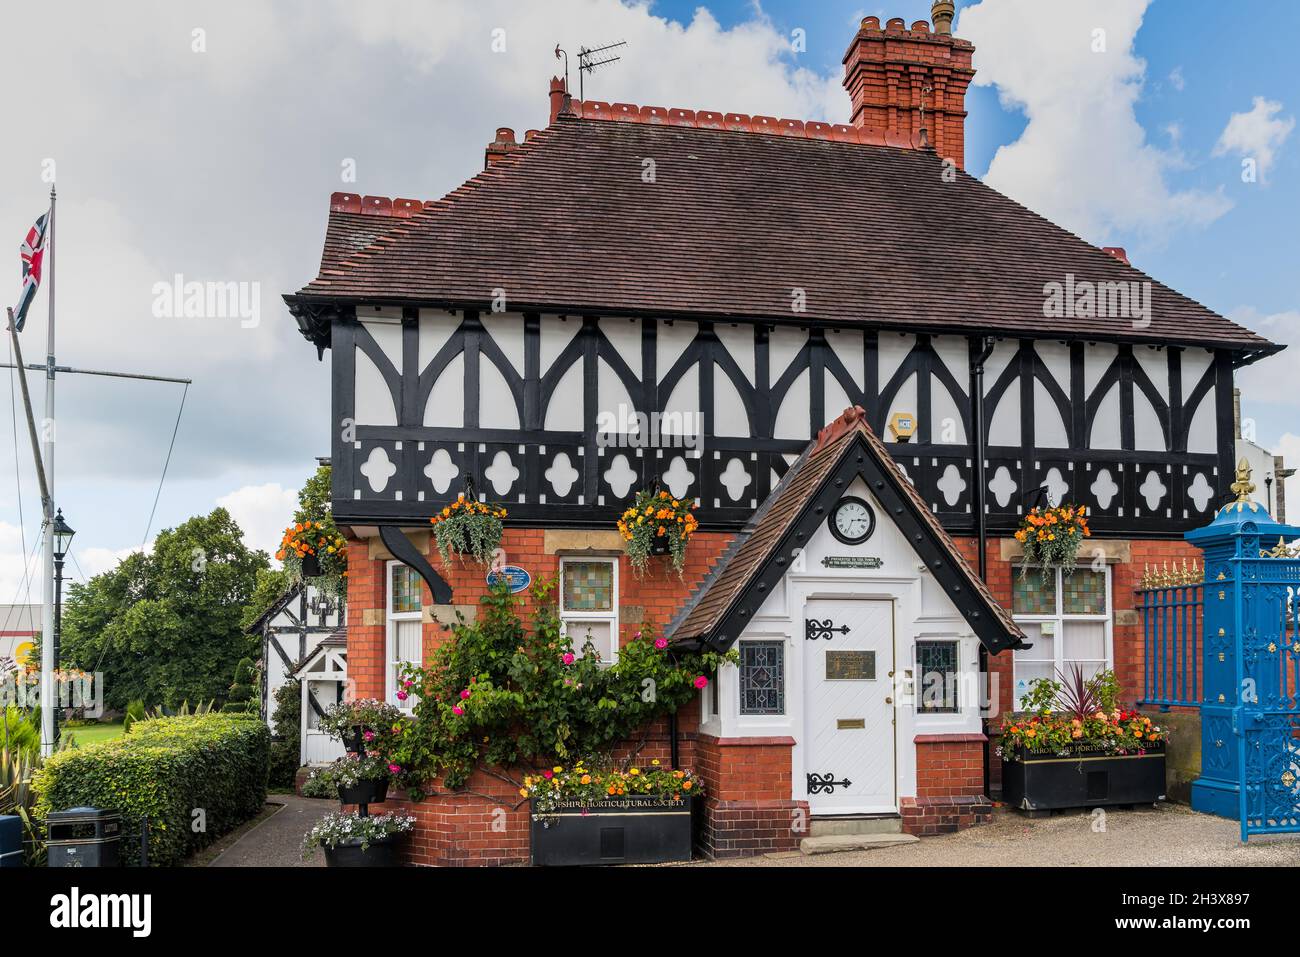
[380,853]
[637,829]
[364,792]
[1046,782]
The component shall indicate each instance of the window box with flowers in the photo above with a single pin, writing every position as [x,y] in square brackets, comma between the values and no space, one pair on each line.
[583,815]
[1051,537]
[657,524]
[1073,746]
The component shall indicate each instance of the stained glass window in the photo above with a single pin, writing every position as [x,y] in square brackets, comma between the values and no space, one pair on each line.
[1084,592]
[762,677]
[405,595]
[1031,594]
[936,664]
[588,586]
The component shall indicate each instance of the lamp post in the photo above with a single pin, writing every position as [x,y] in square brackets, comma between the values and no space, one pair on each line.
[62,540]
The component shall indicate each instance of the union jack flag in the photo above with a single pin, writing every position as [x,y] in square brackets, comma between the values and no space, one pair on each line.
[32,252]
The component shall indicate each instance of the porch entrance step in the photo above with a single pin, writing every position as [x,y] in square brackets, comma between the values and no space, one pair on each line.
[832,843]
[854,824]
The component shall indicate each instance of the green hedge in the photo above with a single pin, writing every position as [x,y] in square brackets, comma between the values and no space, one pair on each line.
[167,768]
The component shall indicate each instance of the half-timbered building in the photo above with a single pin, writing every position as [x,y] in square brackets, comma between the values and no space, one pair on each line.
[642,294]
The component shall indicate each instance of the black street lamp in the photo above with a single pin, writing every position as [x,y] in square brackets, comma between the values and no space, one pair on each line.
[63,533]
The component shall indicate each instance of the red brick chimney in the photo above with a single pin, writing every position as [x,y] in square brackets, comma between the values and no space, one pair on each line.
[501,147]
[905,81]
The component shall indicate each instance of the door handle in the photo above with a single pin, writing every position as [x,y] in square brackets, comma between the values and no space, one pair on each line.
[889,700]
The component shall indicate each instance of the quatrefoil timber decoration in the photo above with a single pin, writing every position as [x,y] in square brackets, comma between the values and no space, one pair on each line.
[815,629]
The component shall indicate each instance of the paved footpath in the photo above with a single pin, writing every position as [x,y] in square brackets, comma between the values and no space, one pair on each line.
[277,840]
[1169,835]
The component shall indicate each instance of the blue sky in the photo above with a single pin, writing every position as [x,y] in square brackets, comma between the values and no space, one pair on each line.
[217,163]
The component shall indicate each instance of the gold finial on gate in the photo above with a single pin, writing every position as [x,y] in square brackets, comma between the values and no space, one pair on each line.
[1242,488]
[1146,576]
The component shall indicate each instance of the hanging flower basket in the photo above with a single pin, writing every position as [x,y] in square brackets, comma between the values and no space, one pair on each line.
[1052,536]
[469,529]
[657,524]
[314,549]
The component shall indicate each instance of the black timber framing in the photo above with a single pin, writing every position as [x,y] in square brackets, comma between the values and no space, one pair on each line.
[592,502]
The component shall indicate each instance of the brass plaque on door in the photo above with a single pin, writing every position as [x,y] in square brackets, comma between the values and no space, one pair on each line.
[850,724]
[850,665]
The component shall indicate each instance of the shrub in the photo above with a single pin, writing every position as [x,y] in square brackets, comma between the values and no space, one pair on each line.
[195,777]
[20,731]
[286,734]
[320,784]
[241,695]
[135,711]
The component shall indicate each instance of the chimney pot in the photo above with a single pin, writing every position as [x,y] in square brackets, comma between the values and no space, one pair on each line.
[941,12]
[1117,252]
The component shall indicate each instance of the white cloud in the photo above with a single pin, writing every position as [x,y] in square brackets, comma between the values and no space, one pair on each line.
[1176,79]
[262,511]
[1083,160]
[1271,380]
[97,560]
[1257,134]
[1288,446]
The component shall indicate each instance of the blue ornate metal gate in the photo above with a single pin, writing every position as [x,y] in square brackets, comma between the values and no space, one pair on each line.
[1250,712]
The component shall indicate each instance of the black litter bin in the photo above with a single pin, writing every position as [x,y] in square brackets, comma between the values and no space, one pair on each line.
[11,840]
[83,837]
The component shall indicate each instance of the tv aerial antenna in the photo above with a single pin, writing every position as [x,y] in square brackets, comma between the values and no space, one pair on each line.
[590,59]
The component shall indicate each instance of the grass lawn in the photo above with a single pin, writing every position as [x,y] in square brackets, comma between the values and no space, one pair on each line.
[94,733]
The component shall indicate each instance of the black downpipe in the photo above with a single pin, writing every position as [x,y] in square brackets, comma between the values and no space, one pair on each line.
[985,345]
[672,740]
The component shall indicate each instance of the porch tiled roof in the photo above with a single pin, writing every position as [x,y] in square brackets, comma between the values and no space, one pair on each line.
[738,225]
[711,608]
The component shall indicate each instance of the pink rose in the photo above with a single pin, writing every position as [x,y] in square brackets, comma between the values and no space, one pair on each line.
[369,735]
[457,710]
[701,681]
[568,658]
[401,696]
[661,643]
[464,694]
[548,775]
[395,768]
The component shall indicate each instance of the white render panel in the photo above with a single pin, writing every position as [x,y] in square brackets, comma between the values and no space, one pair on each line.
[834,399]
[1049,429]
[507,331]
[729,417]
[555,335]
[388,335]
[892,349]
[955,354]
[1004,428]
[945,418]
[625,336]
[436,328]
[612,396]
[1203,433]
[792,417]
[446,405]
[564,414]
[496,406]
[1155,363]
[671,340]
[1097,358]
[683,405]
[1147,434]
[847,345]
[738,340]
[374,403]
[1106,426]
[1056,357]
[783,344]
[904,401]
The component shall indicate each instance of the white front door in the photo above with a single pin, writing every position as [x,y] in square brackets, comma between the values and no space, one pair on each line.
[849,720]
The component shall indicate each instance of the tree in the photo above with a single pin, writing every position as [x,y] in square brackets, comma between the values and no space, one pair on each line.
[167,627]
[272,583]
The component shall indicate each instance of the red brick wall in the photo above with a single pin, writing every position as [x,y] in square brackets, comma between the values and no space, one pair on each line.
[748,809]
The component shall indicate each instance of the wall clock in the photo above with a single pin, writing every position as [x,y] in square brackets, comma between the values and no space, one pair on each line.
[852,521]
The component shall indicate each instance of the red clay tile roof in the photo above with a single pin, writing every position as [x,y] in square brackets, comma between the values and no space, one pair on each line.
[733,224]
[712,608]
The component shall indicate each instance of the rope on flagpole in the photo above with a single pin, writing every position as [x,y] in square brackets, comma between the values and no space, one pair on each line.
[166,463]
[27,405]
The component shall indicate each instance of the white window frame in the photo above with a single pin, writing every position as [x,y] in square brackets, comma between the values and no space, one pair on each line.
[1059,620]
[391,618]
[582,616]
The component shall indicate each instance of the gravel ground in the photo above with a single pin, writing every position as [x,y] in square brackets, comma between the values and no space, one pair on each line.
[277,840]
[1169,835]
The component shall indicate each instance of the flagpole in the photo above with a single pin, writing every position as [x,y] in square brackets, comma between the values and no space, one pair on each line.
[49,647]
